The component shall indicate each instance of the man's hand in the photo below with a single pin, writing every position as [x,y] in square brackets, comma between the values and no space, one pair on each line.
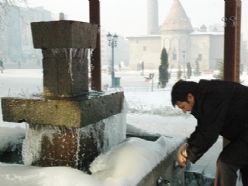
[182,155]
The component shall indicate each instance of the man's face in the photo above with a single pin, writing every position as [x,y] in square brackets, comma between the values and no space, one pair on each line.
[186,106]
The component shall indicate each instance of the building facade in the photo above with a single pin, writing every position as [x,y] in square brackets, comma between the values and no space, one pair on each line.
[182,43]
[16,44]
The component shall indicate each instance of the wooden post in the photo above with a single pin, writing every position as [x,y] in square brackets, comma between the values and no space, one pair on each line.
[232,43]
[232,40]
[96,55]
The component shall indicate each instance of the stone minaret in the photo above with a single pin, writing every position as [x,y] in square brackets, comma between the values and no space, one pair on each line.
[152,17]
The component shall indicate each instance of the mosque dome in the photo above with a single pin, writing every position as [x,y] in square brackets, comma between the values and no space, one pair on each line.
[177,19]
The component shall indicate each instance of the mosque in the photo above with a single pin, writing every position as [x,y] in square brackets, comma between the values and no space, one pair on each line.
[182,43]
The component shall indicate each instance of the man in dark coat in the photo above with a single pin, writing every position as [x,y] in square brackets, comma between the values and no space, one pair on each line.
[221,108]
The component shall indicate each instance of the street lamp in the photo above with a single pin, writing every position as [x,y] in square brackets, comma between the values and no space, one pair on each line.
[184,63]
[112,39]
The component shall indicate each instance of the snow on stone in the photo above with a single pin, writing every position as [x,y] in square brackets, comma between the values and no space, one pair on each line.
[127,163]
[13,175]
[124,165]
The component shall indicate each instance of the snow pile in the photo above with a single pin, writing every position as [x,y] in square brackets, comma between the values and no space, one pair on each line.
[13,175]
[173,126]
[124,165]
[156,102]
[129,162]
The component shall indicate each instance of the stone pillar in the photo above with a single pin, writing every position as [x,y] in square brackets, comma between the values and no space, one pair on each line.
[64,46]
[65,72]
[68,125]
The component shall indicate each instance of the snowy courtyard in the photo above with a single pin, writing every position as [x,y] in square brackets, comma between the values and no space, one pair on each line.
[149,109]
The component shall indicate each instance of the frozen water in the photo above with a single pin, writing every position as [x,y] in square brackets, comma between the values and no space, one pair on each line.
[114,135]
[32,143]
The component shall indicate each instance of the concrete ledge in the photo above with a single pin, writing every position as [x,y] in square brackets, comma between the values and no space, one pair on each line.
[64,34]
[167,170]
[68,113]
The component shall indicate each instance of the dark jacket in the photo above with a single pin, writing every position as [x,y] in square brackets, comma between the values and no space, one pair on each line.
[221,108]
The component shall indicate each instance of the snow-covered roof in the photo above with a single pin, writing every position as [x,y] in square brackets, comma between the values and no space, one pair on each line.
[207,33]
[143,36]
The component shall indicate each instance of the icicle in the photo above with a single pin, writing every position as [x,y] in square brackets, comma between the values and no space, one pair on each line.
[68,54]
[89,57]
[78,147]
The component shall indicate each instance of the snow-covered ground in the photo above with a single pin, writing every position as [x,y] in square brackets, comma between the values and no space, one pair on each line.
[149,109]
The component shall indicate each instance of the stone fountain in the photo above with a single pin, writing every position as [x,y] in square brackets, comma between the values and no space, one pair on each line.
[68,125]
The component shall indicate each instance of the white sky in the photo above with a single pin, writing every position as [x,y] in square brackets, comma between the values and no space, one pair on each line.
[129,17]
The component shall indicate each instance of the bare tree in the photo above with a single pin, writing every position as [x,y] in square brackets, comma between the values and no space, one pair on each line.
[5,3]
[4,8]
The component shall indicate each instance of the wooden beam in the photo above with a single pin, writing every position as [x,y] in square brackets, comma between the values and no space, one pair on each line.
[94,6]
[232,43]
[232,40]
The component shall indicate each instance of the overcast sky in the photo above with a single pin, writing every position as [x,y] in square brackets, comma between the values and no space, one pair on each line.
[128,17]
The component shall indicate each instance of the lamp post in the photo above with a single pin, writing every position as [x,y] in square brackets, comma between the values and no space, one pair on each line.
[112,39]
[184,63]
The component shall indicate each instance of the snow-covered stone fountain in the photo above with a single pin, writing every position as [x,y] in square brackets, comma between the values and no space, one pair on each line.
[68,125]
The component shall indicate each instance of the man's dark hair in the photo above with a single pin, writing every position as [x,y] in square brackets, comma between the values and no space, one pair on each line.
[181,89]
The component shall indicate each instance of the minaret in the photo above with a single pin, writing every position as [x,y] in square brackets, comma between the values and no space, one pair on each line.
[152,17]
